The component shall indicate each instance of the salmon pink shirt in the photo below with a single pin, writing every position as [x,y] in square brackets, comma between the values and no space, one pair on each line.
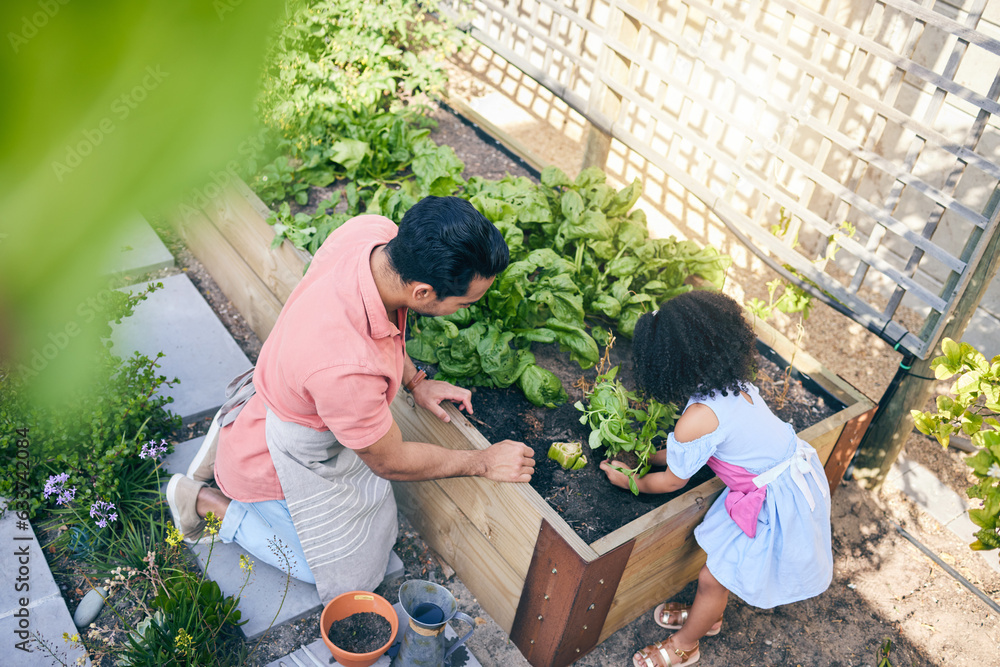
[334,361]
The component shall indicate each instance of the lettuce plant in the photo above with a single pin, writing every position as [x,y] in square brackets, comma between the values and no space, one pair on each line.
[622,421]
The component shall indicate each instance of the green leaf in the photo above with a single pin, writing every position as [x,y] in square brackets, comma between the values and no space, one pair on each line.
[349,153]
[625,199]
[571,204]
[542,387]
[554,177]
[951,350]
[581,346]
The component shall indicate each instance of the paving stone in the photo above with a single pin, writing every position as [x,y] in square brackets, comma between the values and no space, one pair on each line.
[48,619]
[199,351]
[261,599]
[178,462]
[317,654]
[44,612]
[935,498]
[17,535]
[137,250]
[900,466]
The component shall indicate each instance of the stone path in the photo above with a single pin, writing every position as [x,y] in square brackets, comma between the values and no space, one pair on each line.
[30,601]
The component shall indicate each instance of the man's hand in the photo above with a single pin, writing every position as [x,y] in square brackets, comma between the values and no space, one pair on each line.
[616,477]
[428,394]
[509,461]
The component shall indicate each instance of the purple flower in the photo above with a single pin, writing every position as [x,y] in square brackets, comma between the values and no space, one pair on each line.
[56,486]
[103,512]
[154,451]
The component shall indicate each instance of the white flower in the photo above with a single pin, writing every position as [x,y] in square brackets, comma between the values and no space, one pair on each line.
[994,471]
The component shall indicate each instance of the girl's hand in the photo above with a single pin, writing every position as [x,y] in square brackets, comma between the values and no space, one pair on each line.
[617,478]
[428,394]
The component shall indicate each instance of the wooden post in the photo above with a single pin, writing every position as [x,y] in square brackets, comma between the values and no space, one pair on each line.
[604,101]
[892,423]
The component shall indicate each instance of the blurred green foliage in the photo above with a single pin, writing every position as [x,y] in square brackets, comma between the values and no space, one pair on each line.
[108,107]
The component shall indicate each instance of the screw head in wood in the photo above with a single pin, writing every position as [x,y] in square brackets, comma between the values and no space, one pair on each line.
[553,570]
[590,607]
[539,617]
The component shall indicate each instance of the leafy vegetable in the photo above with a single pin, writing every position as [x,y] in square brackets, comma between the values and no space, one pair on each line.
[622,421]
[569,455]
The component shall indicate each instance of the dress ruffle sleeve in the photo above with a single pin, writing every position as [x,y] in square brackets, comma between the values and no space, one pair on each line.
[685,458]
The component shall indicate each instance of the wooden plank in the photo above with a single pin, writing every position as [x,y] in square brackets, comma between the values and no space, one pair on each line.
[892,423]
[444,526]
[836,464]
[508,515]
[242,223]
[564,601]
[241,285]
[790,57]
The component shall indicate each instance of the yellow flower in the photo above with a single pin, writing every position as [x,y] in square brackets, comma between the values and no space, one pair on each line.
[72,639]
[182,642]
[246,564]
[212,523]
[174,536]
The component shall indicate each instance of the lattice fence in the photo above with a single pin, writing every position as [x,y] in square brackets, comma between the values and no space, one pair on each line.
[853,145]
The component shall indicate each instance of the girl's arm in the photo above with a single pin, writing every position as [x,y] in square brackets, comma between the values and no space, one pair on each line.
[659,458]
[652,482]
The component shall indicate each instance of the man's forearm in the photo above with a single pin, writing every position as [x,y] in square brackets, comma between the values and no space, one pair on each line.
[418,461]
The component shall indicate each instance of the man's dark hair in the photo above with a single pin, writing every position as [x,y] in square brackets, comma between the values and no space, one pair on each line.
[445,242]
[696,343]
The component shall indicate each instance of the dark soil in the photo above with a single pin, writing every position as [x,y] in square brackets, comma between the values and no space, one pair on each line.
[363,632]
[584,498]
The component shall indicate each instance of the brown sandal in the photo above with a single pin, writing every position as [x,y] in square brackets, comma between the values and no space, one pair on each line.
[664,656]
[673,615]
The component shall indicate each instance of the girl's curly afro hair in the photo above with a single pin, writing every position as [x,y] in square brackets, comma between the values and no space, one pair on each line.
[696,343]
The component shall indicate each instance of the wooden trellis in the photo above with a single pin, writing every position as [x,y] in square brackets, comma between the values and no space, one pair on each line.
[789,119]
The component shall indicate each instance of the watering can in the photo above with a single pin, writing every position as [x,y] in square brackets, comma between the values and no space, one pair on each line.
[429,607]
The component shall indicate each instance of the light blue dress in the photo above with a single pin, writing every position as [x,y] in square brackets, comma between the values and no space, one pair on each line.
[790,557]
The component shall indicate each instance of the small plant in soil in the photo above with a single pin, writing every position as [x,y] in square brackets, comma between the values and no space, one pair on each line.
[624,423]
[363,632]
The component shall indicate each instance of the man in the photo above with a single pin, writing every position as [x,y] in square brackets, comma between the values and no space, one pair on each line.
[306,443]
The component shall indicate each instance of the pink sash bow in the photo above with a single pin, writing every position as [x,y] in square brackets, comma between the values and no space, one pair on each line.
[744,500]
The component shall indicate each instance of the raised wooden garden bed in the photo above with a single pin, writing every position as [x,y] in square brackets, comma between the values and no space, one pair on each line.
[556,595]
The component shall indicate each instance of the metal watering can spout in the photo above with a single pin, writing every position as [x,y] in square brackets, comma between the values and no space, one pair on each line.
[429,608]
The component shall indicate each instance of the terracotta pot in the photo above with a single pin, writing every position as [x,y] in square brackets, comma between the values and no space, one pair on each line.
[356,602]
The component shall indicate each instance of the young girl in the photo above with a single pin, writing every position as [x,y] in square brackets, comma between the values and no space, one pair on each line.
[768,535]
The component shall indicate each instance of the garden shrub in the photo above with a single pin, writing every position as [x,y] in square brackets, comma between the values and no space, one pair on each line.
[91,444]
[971,408]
